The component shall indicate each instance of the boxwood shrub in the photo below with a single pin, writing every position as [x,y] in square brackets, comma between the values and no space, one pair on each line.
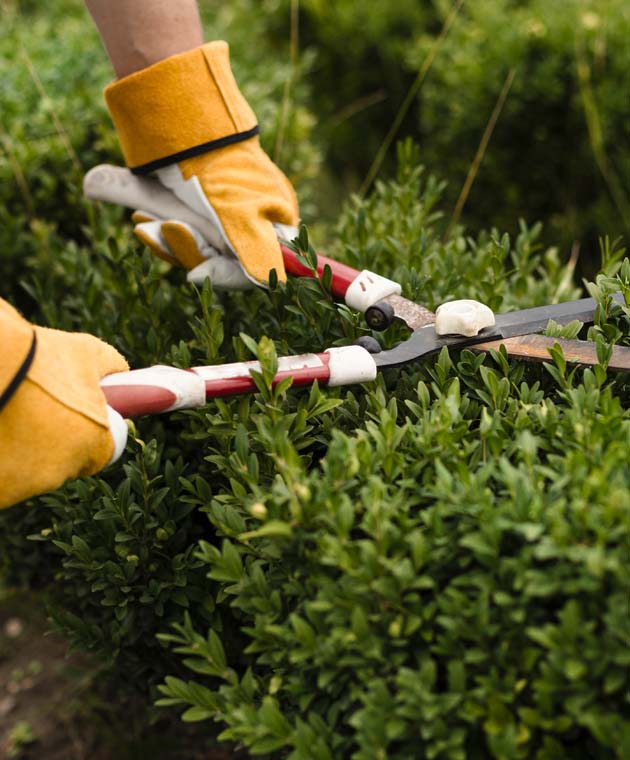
[450,578]
[431,566]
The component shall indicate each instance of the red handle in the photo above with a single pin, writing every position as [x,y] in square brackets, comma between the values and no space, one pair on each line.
[234,379]
[342,275]
[164,389]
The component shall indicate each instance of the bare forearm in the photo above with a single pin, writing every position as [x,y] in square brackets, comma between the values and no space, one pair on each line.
[138,33]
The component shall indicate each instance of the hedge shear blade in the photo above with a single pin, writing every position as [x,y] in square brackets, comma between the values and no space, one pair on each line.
[162,389]
[523,324]
[380,301]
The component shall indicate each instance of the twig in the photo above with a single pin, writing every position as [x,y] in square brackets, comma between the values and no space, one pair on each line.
[286,97]
[413,91]
[61,132]
[481,152]
[352,109]
[7,145]
[596,136]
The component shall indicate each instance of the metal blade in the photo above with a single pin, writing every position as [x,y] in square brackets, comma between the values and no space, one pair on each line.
[424,341]
[380,315]
[533,320]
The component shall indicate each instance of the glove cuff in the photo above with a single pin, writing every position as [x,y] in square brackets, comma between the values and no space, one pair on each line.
[179,108]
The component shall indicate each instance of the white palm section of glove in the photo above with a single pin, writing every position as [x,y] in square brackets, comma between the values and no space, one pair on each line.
[119,430]
[159,212]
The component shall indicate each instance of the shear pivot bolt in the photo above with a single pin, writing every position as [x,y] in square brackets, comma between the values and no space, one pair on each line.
[370,344]
[379,316]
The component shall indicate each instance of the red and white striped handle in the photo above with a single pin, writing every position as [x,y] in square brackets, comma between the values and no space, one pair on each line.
[359,290]
[342,275]
[164,389]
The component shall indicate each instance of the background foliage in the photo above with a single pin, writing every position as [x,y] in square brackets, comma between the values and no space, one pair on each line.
[434,566]
[558,152]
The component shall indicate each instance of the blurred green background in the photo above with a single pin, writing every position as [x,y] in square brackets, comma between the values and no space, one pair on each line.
[329,80]
[560,149]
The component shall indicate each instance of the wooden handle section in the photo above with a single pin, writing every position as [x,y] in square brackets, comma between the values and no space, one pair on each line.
[536,348]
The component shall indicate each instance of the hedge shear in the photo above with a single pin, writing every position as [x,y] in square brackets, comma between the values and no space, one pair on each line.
[455,324]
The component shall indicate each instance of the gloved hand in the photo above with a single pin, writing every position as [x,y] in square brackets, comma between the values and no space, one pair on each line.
[185,120]
[172,230]
[54,422]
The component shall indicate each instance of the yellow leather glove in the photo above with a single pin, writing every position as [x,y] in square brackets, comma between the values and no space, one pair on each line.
[185,120]
[54,422]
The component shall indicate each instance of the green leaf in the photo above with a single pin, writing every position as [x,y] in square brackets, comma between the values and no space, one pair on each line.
[195,714]
[303,631]
[216,650]
[273,528]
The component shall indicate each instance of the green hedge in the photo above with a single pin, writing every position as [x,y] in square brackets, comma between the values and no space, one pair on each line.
[559,150]
[432,566]
[445,549]
[450,582]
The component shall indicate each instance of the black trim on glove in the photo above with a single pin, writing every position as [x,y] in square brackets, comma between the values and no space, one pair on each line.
[20,375]
[197,150]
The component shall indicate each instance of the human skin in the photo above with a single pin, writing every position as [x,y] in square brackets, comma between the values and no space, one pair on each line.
[138,33]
